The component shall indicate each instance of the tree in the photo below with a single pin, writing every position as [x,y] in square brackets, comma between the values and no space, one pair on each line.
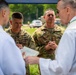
[31,11]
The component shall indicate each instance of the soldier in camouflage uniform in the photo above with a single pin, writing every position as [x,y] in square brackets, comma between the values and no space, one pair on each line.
[47,37]
[22,38]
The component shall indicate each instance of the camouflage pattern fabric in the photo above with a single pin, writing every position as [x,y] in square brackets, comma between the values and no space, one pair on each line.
[22,38]
[43,35]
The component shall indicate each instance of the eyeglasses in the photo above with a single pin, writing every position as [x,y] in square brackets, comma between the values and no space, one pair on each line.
[50,15]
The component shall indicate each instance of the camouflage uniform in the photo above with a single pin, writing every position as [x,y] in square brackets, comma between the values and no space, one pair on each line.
[22,38]
[43,35]
[25,39]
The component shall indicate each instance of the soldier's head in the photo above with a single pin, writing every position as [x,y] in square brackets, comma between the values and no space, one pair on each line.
[66,10]
[4,12]
[16,22]
[49,15]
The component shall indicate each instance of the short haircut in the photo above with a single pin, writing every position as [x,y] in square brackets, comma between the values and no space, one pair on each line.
[48,10]
[3,4]
[17,15]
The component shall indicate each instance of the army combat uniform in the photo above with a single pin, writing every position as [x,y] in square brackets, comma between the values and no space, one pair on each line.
[43,35]
[22,38]
[25,39]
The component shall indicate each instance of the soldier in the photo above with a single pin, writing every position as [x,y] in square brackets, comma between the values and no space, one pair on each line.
[22,38]
[47,37]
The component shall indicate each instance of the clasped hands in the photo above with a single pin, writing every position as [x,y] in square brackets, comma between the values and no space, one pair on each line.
[51,45]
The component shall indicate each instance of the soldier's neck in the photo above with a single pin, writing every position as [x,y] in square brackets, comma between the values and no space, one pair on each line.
[14,31]
[48,25]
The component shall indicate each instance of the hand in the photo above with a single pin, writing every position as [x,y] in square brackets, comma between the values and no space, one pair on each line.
[31,60]
[19,46]
[51,45]
[47,47]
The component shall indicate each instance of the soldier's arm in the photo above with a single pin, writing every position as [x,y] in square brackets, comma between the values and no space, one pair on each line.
[51,45]
[27,40]
[44,47]
[39,46]
[31,43]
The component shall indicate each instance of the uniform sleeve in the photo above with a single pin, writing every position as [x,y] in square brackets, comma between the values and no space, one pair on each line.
[13,63]
[31,42]
[64,57]
[39,47]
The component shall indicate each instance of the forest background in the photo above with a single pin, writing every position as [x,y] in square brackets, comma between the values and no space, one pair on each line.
[31,11]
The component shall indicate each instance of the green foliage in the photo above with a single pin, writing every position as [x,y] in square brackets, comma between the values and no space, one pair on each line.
[53,6]
[31,11]
[34,70]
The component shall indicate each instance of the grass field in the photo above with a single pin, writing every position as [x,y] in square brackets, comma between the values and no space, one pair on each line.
[28,29]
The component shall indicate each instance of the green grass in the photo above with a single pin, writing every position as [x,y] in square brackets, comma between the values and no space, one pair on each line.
[34,70]
[28,29]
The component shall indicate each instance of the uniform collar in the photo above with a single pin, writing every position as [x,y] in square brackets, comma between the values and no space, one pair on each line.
[56,28]
[15,33]
[45,28]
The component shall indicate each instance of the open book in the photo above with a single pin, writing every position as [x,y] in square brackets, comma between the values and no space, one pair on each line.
[29,51]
